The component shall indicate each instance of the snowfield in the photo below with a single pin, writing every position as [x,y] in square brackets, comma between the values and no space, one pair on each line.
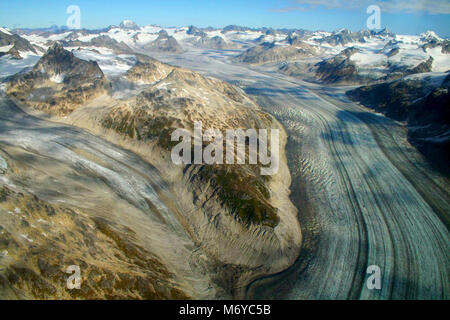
[10,66]
[441,61]
[112,65]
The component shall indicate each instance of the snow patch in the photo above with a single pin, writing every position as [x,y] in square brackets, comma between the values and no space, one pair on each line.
[430,35]
[4,30]
[25,236]
[58,78]
[6,48]
[369,59]
[110,63]
[10,66]
[441,61]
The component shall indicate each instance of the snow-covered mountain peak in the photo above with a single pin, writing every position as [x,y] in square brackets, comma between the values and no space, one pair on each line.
[129,25]
[6,31]
[429,36]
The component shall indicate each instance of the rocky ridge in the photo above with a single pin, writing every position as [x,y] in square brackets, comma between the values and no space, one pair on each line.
[59,82]
[239,217]
[422,105]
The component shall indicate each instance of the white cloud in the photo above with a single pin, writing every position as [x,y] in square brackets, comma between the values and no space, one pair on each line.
[398,6]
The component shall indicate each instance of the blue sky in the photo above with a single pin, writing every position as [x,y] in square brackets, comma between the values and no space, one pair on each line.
[401,16]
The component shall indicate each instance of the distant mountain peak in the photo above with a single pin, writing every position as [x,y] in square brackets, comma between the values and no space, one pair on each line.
[56,54]
[430,35]
[129,25]
[5,31]
[59,61]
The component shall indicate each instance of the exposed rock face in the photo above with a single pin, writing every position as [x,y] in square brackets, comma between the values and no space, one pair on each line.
[393,52]
[425,108]
[339,68]
[397,72]
[216,42]
[234,28]
[112,263]
[58,61]
[295,41]
[164,43]
[342,69]
[17,44]
[341,38]
[423,67]
[432,40]
[391,98]
[430,36]
[446,46]
[74,35]
[59,82]
[194,31]
[344,37]
[150,71]
[269,52]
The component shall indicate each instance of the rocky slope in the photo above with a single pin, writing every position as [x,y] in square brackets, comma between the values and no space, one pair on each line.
[339,68]
[39,239]
[164,43]
[149,71]
[345,36]
[216,42]
[14,44]
[202,40]
[346,68]
[241,221]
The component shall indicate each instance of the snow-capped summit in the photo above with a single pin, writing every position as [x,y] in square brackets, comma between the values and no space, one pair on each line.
[6,31]
[429,36]
[129,25]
